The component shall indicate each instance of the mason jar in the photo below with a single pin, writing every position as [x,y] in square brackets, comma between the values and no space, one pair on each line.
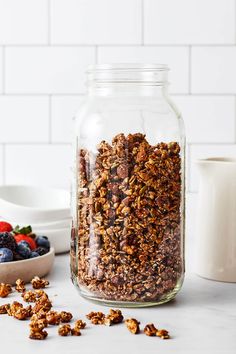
[127,243]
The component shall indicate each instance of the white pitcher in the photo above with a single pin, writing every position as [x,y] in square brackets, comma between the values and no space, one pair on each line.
[215,256]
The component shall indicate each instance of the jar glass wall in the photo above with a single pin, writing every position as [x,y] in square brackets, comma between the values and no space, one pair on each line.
[127,243]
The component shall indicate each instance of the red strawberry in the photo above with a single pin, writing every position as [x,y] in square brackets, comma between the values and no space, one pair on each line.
[5,226]
[22,237]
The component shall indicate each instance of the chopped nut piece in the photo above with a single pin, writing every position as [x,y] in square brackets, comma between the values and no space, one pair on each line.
[79,324]
[64,330]
[3,309]
[53,317]
[133,325]
[20,286]
[114,317]
[5,289]
[96,317]
[163,334]
[75,332]
[29,296]
[65,316]
[150,330]
[39,283]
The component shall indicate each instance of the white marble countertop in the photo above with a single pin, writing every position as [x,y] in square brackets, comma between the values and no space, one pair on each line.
[202,319]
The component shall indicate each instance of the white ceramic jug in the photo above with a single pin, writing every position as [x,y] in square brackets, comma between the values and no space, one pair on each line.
[215,256]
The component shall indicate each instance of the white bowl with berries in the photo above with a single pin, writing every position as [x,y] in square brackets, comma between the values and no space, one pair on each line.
[23,253]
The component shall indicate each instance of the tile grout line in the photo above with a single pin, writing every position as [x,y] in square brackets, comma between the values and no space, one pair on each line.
[142,22]
[190,69]
[91,45]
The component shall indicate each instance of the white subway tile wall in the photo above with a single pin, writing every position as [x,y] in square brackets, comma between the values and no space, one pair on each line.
[40,164]
[45,46]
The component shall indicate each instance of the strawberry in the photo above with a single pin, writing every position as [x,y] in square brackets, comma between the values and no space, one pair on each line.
[5,226]
[22,237]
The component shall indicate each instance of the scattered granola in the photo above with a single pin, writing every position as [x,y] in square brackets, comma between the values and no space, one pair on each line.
[36,331]
[163,334]
[20,286]
[53,318]
[64,330]
[42,323]
[29,296]
[79,324]
[96,317]
[133,325]
[41,293]
[41,316]
[5,289]
[75,331]
[23,313]
[3,309]
[128,240]
[114,317]
[13,308]
[65,316]
[39,283]
[42,304]
[150,330]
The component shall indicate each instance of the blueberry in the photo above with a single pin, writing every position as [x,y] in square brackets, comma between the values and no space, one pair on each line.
[24,243]
[41,250]
[34,254]
[23,250]
[42,241]
[6,255]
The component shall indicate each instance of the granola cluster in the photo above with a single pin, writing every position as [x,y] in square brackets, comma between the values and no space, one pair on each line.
[39,283]
[114,317]
[5,289]
[133,325]
[128,243]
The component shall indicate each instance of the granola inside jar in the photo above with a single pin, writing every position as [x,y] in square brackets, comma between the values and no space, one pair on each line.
[127,239]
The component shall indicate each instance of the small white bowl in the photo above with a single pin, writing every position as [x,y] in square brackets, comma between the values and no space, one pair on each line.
[59,238]
[34,204]
[65,223]
[27,268]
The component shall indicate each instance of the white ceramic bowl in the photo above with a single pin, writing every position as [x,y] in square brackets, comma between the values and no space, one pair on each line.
[34,204]
[65,223]
[26,269]
[59,238]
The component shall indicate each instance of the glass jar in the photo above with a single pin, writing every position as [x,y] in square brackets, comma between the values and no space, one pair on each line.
[127,244]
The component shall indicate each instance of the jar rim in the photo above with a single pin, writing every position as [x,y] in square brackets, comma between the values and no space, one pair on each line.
[128,74]
[134,67]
